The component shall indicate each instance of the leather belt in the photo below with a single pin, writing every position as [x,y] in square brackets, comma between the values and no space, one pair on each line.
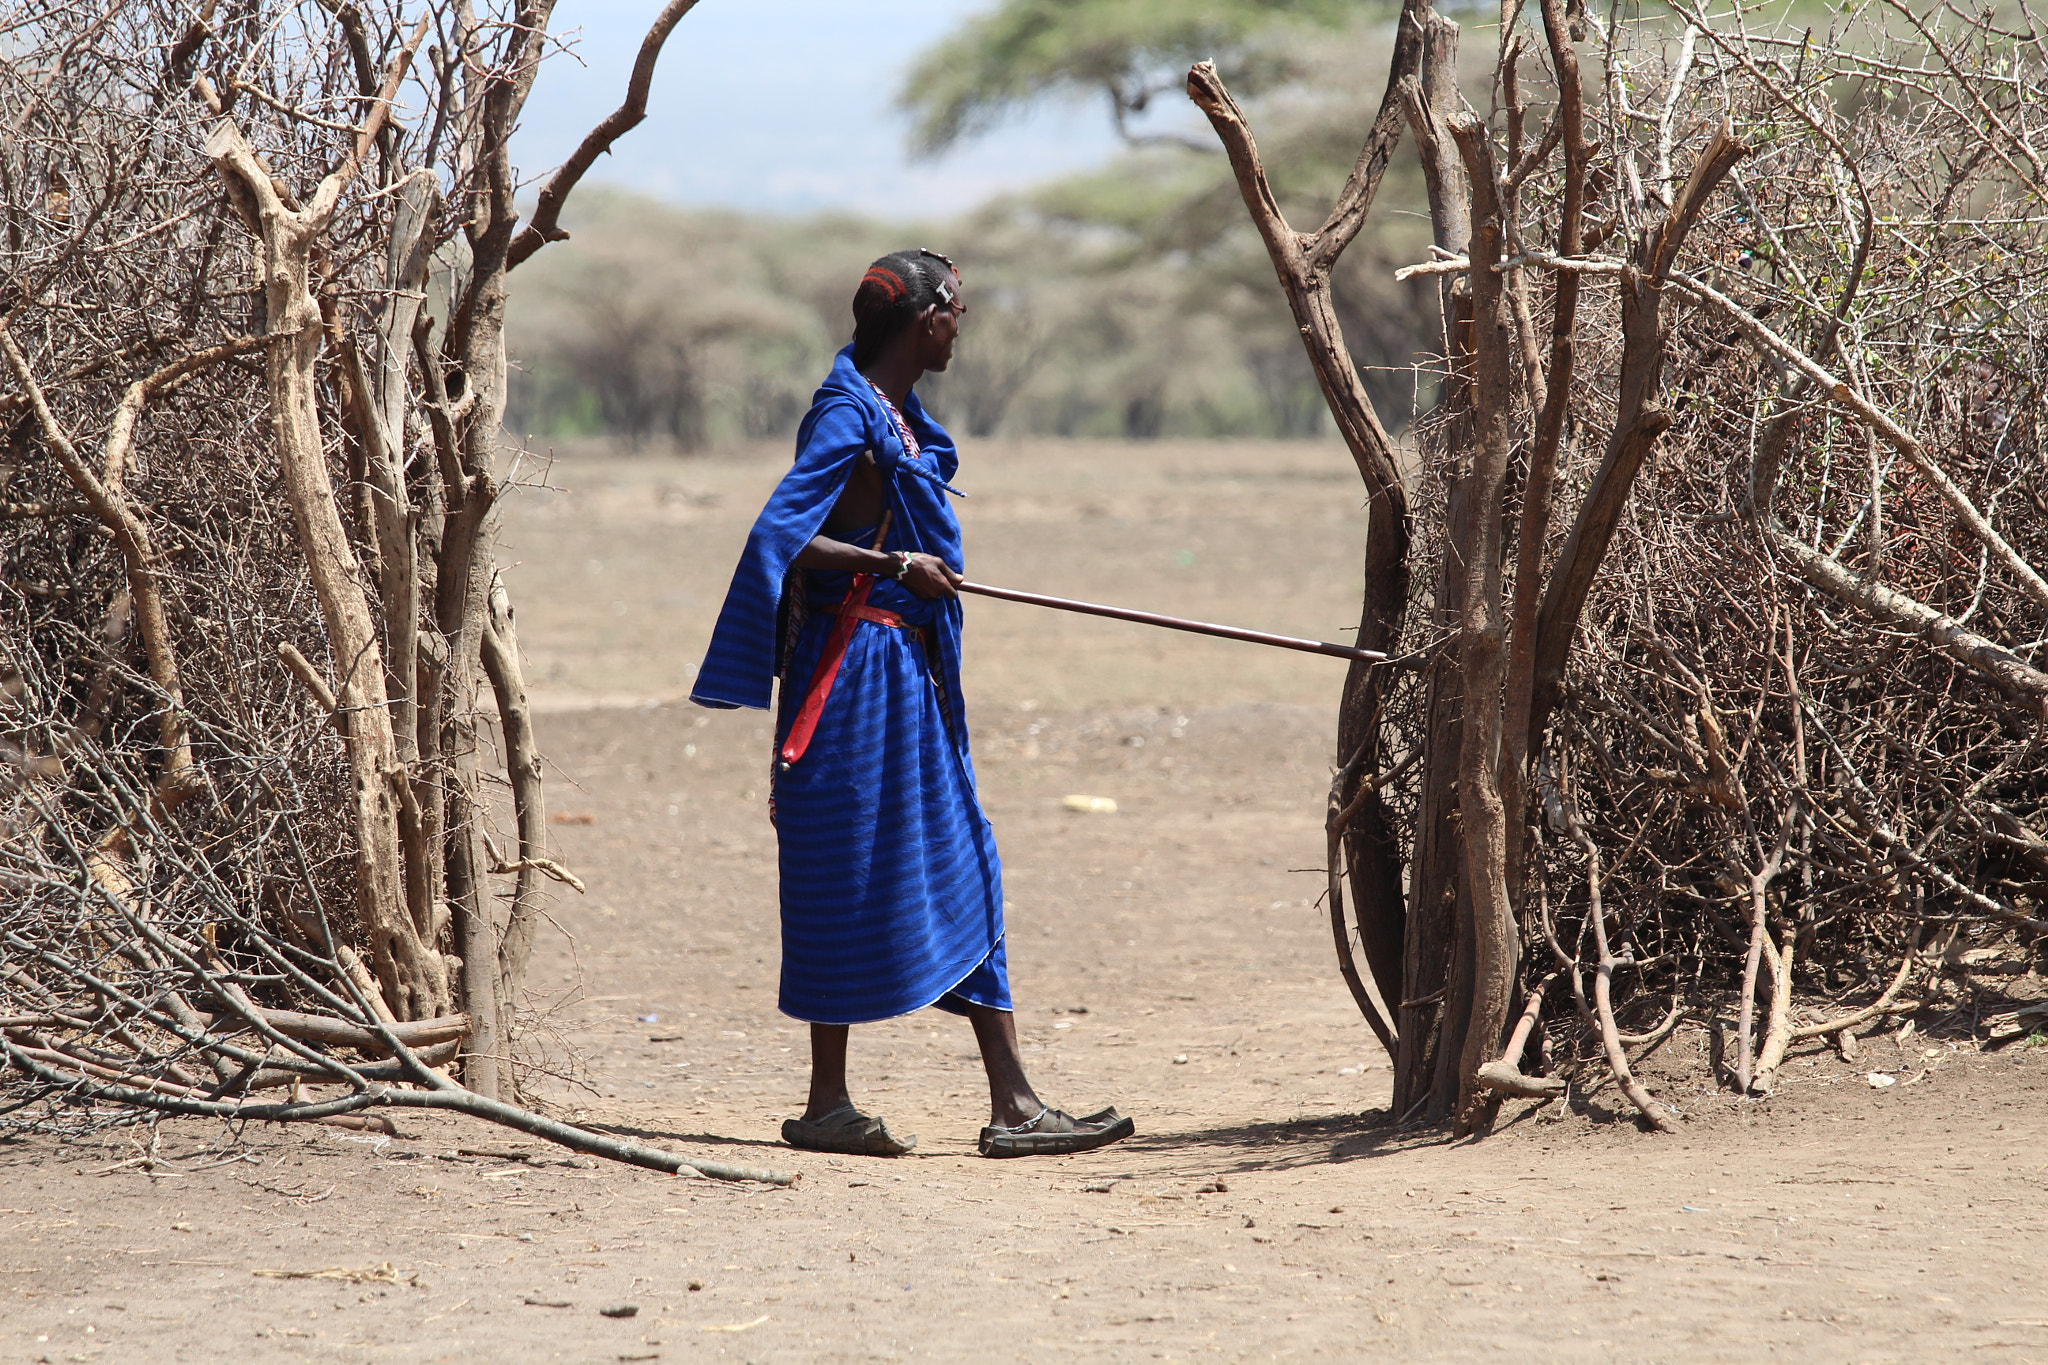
[863,612]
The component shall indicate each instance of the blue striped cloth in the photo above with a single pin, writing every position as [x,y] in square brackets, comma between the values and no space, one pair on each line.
[892,894]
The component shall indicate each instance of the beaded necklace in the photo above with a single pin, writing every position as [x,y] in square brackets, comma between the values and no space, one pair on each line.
[910,445]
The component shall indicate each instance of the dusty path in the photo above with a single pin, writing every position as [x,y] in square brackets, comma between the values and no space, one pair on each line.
[1166,958]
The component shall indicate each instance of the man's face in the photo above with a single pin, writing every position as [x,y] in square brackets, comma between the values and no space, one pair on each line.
[941,328]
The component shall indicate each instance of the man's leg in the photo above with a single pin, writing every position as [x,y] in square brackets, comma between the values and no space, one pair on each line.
[852,1133]
[828,1071]
[1011,1100]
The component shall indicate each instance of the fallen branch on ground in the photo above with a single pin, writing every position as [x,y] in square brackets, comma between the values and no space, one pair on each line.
[85,1083]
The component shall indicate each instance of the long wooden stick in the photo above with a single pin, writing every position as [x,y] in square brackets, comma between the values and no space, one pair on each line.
[1148,618]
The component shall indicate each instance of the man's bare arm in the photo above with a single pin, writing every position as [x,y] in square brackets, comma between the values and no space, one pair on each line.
[860,504]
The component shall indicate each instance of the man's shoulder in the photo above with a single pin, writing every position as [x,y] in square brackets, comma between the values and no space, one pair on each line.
[837,418]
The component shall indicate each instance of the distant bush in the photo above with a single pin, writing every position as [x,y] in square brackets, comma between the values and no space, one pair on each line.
[1134,301]
[685,326]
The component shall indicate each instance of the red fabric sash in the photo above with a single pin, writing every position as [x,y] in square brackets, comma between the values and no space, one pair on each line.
[851,613]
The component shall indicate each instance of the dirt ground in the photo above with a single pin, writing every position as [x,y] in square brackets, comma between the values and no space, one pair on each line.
[1169,958]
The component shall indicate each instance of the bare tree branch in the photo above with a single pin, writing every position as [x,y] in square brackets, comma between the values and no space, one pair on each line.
[545,224]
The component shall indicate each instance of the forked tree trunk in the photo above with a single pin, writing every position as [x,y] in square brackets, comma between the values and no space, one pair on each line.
[1305,264]
[1438,958]
[409,646]
[410,967]
[1482,645]
[1447,961]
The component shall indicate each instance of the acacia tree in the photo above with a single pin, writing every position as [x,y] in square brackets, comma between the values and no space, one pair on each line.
[257,650]
[1701,266]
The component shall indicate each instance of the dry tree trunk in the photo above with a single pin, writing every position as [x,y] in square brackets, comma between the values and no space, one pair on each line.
[523,766]
[379,407]
[1437,962]
[1519,732]
[1306,265]
[412,971]
[1492,875]
[1638,421]
[1477,547]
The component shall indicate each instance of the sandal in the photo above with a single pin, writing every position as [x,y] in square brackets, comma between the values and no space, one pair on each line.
[845,1132]
[1055,1133]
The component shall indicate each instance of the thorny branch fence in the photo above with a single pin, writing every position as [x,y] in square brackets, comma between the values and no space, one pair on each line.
[1731,507]
[254,647]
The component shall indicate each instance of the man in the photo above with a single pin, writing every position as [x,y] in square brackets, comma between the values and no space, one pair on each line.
[892,894]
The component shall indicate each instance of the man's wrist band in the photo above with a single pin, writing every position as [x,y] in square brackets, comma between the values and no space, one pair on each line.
[902,565]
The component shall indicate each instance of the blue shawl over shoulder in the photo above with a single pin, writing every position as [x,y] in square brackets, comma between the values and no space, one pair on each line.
[845,419]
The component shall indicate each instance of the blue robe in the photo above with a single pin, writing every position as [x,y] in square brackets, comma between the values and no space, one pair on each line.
[892,893]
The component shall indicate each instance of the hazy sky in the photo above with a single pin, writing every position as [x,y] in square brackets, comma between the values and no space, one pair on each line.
[783,105]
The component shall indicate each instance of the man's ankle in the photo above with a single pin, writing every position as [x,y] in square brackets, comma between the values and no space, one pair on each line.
[1018,1109]
[821,1105]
